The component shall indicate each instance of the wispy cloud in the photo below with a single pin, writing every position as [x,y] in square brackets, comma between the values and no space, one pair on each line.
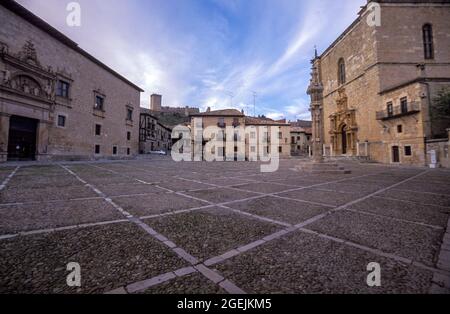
[214,53]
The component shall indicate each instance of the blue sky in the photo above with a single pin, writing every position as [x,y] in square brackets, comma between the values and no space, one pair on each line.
[209,53]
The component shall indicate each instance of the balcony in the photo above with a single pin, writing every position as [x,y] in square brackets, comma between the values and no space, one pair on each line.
[399,111]
[266,139]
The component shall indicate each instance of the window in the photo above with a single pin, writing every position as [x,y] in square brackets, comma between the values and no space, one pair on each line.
[99,103]
[97,149]
[235,121]
[129,114]
[62,89]
[253,149]
[128,151]
[341,71]
[390,109]
[404,104]
[98,129]
[114,150]
[408,151]
[252,135]
[399,128]
[61,121]
[280,149]
[221,121]
[293,140]
[280,135]
[428,45]
[128,136]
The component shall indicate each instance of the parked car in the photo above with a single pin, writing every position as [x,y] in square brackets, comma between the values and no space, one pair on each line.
[158,152]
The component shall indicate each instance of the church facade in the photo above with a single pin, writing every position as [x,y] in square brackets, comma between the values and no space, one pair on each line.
[378,83]
[57,102]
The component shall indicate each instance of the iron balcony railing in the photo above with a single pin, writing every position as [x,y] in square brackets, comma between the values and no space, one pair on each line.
[399,111]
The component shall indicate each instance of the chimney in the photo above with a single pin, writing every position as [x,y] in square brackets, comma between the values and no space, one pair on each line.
[155,102]
[242,111]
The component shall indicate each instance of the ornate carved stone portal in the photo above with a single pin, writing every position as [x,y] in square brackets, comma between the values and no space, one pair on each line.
[343,128]
[23,75]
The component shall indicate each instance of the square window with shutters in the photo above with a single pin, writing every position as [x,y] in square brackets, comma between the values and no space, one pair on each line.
[62,89]
[408,151]
[61,121]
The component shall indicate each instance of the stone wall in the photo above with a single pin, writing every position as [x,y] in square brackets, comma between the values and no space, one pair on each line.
[441,147]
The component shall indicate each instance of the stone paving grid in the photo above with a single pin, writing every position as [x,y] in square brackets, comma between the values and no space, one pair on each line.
[234,183]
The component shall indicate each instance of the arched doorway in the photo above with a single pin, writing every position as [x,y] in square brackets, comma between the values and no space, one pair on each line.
[344,139]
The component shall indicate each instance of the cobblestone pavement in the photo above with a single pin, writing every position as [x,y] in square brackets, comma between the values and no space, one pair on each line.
[156,226]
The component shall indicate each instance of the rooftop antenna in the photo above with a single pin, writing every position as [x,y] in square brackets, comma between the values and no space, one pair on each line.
[231,94]
[255,95]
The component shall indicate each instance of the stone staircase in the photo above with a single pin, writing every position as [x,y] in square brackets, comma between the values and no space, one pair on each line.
[347,158]
[322,168]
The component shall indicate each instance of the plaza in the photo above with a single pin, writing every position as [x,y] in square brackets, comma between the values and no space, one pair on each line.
[155,226]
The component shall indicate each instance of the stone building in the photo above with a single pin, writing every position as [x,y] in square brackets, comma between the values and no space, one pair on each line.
[300,141]
[153,135]
[281,127]
[56,100]
[379,82]
[238,120]
[156,107]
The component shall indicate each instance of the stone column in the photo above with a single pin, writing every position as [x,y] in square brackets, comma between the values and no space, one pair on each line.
[4,136]
[42,141]
[315,91]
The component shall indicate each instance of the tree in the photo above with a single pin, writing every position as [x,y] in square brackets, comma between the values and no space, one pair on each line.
[442,104]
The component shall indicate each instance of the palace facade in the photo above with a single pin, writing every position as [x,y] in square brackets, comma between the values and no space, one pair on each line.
[57,102]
